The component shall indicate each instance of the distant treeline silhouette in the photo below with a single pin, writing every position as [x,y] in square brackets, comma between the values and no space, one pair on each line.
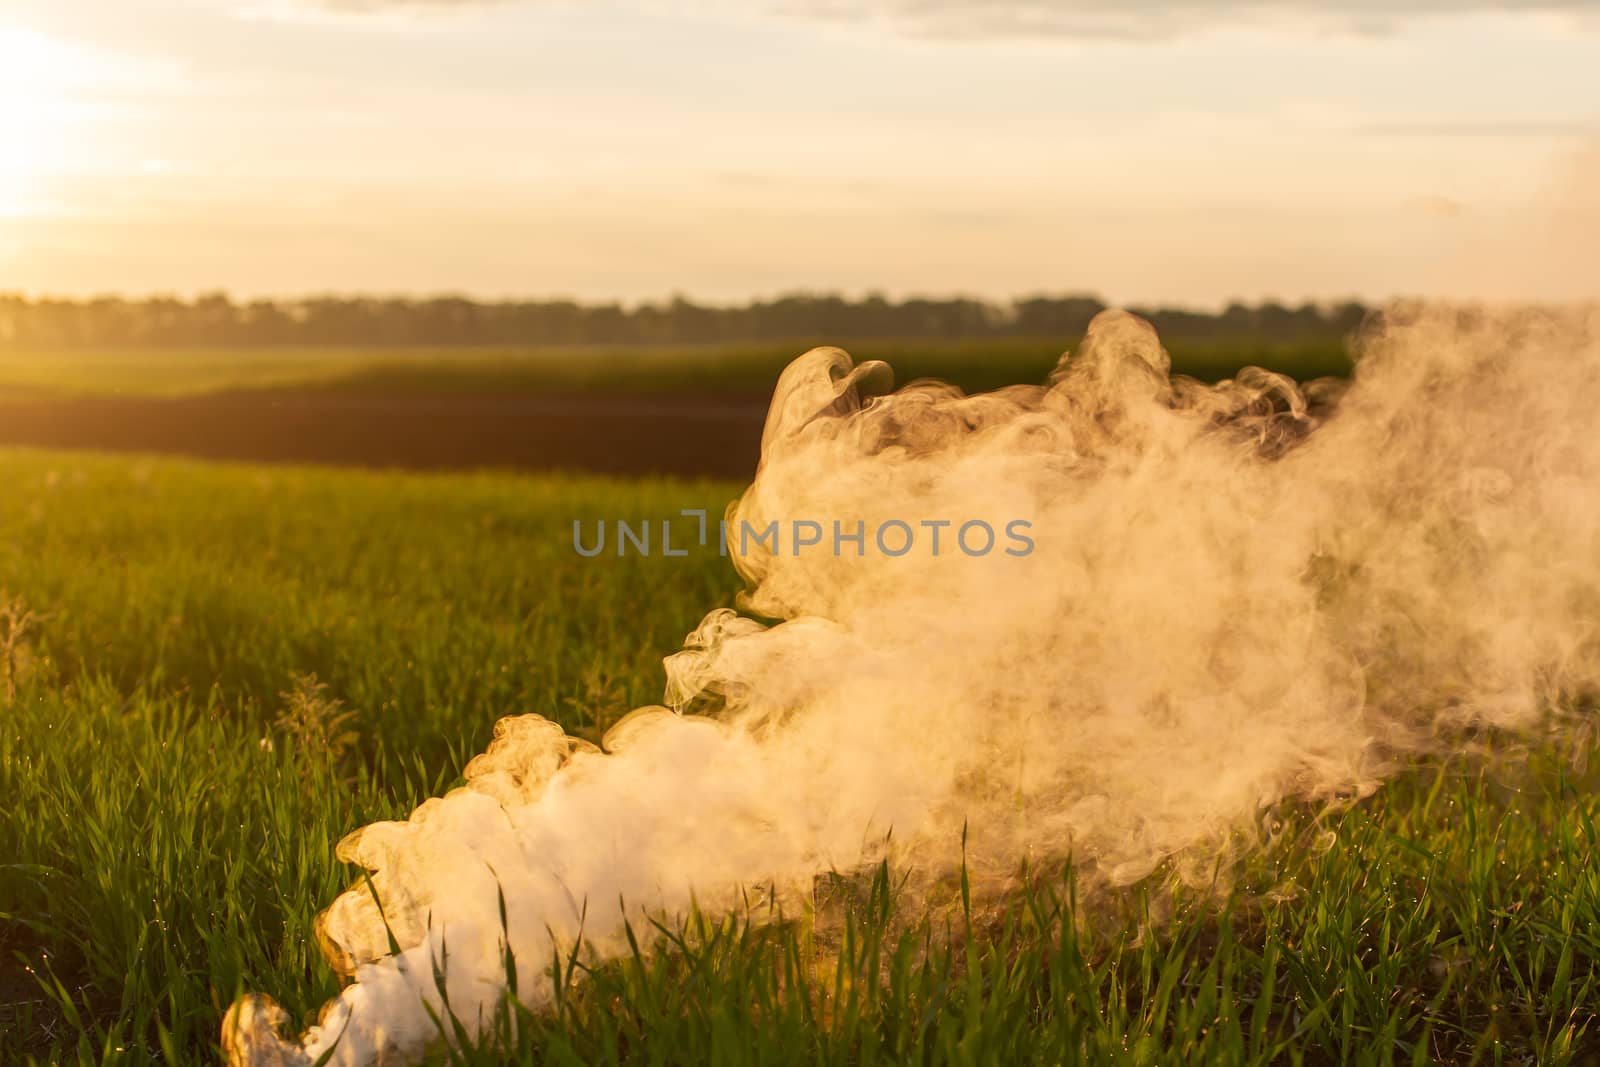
[217,320]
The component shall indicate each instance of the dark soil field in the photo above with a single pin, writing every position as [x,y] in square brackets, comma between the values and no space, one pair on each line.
[602,433]
[687,410]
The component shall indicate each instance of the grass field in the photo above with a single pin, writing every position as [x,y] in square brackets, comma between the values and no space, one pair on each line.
[170,814]
[746,368]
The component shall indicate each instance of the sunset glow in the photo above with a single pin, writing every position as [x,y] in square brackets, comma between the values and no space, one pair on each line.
[1158,152]
[29,70]
[903,532]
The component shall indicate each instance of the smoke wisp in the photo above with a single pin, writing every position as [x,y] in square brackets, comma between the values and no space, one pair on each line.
[1239,594]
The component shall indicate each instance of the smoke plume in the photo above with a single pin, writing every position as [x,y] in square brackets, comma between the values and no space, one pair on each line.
[1236,595]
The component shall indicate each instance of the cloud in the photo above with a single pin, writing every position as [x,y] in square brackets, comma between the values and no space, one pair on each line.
[1153,19]
[1500,129]
[393,13]
[1116,20]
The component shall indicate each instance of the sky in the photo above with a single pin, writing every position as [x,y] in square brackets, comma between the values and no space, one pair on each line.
[1176,151]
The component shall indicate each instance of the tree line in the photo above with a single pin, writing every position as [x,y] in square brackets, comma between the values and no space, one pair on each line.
[216,319]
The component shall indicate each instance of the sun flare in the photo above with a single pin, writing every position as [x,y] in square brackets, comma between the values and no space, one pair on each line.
[35,74]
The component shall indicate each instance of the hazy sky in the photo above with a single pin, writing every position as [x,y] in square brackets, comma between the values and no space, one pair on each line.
[1179,150]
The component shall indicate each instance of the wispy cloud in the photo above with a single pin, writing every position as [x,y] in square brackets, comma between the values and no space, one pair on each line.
[1124,20]
[1507,128]
[398,13]
[1153,19]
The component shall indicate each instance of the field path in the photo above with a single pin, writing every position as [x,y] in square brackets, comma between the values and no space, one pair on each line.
[603,433]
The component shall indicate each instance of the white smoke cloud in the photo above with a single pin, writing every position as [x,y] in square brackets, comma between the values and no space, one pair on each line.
[1239,595]
[1547,246]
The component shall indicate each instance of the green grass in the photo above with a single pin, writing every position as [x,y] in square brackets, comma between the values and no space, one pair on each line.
[168,831]
[750,368]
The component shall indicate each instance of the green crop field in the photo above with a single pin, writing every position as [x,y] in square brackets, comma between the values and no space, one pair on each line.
[747,368]
[209,674]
